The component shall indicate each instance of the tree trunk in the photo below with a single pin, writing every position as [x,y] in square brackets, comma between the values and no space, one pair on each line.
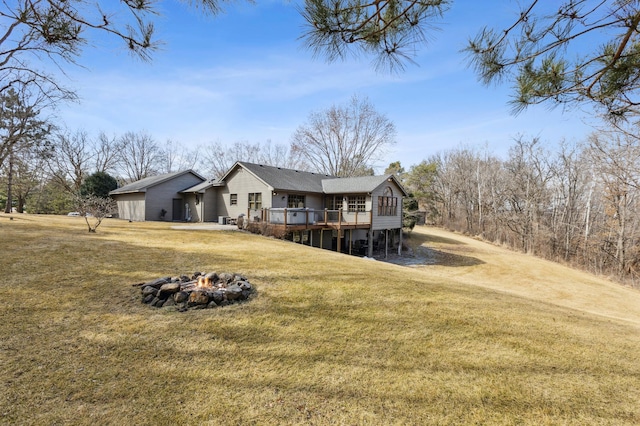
[8,208]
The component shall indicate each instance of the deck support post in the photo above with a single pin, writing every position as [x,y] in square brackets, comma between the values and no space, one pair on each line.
[386,243]
[339,246]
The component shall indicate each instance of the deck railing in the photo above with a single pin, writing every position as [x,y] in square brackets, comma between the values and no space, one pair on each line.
[310,217]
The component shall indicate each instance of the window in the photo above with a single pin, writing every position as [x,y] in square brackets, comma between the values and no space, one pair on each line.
[233,199]
[333,202]
[357,203]
[387,206]
[255,200]
[295,201]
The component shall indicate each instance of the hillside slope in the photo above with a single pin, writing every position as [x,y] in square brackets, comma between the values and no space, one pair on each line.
[469,261]
[485,336]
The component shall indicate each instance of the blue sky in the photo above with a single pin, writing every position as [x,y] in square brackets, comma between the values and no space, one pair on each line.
[245,76]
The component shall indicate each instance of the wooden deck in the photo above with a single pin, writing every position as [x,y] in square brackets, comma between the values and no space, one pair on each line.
[327,225]
[305,219]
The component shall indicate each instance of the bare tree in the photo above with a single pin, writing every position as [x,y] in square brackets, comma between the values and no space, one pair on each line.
[141,156]
[94,209]
[571,185]
[218,157]
[528,173]
[617,163]
[106,153]
[344,140]
[280,155]
[577,204]
[176,157]
[70,160]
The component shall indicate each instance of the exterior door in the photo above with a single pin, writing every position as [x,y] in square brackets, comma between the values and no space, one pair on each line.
[177,210]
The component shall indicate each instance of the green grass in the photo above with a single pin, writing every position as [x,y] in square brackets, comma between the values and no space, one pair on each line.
[329,339]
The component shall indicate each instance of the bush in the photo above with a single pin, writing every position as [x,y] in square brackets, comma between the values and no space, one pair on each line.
[268,230]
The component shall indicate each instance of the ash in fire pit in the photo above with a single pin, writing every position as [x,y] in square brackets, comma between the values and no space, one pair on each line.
[198,291]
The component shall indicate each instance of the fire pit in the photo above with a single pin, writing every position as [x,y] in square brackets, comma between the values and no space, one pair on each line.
[197,291]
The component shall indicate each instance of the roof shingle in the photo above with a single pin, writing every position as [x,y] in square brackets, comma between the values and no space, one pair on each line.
[142,184]
[287,179]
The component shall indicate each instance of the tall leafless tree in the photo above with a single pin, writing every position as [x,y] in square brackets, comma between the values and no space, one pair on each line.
[577,204]
[217,157]
[106,153]
[70,160]
[141,156]
[177,157]
[344,140]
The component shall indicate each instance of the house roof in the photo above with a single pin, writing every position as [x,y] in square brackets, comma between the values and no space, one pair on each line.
[143,184]
[359,184]
[203,186]
[281,179]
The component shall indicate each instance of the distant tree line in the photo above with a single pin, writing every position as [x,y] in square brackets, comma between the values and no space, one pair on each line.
[48,167]
[577,204]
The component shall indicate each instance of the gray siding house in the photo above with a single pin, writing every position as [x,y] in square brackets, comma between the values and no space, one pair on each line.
[355,215]
[156,197]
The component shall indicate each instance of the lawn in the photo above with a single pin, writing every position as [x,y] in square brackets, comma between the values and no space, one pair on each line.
[485,336]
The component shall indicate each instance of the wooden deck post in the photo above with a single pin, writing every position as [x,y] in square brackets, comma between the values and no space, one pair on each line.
[370,242]
[339,247]
[400,246]
[285,218]
[386,243]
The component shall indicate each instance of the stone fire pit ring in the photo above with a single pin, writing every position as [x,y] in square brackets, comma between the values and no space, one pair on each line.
[199,290]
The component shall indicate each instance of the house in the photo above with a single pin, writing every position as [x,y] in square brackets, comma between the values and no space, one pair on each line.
[156,197]
[354,215]
[201,199]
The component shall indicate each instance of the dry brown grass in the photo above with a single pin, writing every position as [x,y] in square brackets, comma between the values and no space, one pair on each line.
[330,339]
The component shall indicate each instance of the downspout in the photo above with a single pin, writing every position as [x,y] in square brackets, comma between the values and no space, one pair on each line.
[401,225]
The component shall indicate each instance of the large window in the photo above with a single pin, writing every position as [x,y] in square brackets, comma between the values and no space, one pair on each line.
[255,200]
[233,199]
[357,203]
[387,206]
[295,201]
[333,202]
